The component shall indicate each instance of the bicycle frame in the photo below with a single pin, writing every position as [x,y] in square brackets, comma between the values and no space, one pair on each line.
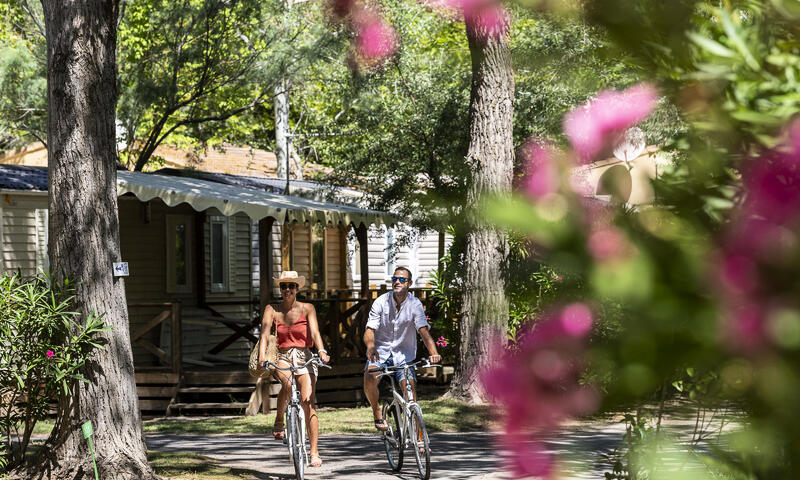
[406,401]
[294,403]
[296,406]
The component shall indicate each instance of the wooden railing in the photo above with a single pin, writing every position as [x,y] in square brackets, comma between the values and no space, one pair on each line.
[171,311]
[341,314]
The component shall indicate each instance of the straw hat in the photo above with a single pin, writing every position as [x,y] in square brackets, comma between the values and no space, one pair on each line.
[290,276]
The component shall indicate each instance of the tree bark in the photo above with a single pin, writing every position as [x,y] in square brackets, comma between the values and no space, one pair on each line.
[84,241]
[484,316]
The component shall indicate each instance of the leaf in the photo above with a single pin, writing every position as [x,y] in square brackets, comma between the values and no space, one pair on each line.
[733,33]
[757,118]
[711,46]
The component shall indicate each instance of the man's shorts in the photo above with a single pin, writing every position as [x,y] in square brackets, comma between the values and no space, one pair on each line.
[398,374]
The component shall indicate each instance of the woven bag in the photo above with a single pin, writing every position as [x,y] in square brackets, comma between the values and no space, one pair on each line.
[257,370]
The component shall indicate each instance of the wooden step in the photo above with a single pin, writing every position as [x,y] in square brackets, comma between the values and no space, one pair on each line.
[199,406]
[216,389]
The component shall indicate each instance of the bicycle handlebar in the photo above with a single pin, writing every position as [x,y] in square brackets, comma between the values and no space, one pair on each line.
[314,359]
[385,370]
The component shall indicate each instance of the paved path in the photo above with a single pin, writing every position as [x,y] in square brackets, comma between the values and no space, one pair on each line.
[454,455]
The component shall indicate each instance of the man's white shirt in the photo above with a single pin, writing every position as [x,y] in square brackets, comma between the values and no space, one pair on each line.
[396,330]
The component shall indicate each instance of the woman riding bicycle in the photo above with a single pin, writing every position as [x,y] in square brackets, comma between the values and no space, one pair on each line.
[297,331]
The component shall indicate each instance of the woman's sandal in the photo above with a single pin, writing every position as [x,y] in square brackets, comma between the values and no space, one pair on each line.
[316,460]
[277,431]
[380,424]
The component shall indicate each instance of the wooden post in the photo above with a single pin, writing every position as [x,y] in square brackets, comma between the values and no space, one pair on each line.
[265,261]
[363,247]
[200,256]
[176,347]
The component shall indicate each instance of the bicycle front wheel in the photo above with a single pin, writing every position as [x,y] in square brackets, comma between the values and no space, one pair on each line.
[295,437]
[393,438]
[420,443]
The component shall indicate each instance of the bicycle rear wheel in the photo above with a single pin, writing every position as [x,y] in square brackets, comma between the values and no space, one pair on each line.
[420,443]
[393,438]
[295,442]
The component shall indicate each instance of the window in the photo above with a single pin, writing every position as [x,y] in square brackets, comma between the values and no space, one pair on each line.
[179,254]
[318,256]
[218,233]
[354,254]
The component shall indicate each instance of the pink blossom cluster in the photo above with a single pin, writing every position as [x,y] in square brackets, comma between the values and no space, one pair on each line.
[441,341]
[535,385]
[375,39]
[594,127]
[759,251]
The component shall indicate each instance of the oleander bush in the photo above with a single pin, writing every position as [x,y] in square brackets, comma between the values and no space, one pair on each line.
[44,346]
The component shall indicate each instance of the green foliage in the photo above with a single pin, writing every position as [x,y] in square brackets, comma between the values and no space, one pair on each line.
[185,65]
[443,317]
[43,350]
[23,87]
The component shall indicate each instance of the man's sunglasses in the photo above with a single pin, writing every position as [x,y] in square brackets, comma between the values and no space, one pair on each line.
[399,279]
[288,286]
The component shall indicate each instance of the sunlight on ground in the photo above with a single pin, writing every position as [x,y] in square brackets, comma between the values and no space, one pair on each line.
[190,466]
[440,416]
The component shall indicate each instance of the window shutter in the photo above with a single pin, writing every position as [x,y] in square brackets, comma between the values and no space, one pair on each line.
[232,254]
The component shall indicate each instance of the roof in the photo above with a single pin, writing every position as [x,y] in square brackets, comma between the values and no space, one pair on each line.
[202,194]
[20,177]
[318,190]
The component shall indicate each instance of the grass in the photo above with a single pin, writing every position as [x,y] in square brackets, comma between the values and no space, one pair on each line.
[440,416]
[191,466]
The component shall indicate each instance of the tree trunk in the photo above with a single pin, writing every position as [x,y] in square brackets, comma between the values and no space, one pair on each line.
[484,319]
[84,241]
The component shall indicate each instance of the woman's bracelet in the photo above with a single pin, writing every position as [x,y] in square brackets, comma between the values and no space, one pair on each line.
[323,351]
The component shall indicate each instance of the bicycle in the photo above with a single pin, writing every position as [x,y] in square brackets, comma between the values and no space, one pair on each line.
[296,419]
[404,417]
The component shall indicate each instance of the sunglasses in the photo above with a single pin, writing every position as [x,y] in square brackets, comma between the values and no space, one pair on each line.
[399,279]
[288,286]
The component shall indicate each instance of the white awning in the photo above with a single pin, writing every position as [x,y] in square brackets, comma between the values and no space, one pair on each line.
[229,199]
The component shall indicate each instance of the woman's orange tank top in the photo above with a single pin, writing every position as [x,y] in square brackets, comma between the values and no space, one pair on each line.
[296,335]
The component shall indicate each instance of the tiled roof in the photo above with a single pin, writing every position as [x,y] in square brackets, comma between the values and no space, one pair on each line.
[21,177]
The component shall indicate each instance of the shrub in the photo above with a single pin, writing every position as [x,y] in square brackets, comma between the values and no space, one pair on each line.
[43,349]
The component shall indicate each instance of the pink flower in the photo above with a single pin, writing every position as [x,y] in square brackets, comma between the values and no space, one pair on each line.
[760,250]
[607,243]
[528,458]
[50,354]
[594,127]
[536,385]
[375,39]
[542,171]
[442,342]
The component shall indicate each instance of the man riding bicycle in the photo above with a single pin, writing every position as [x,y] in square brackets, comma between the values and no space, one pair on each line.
[391,338]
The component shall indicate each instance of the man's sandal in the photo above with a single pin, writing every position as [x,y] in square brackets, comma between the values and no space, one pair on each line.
[316,461]
[381,425]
